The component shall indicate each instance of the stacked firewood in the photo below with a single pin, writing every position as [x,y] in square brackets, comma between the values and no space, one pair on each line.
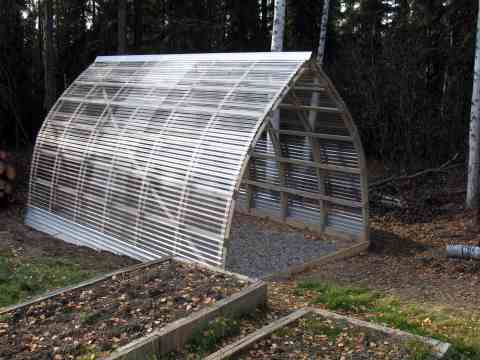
[8,174]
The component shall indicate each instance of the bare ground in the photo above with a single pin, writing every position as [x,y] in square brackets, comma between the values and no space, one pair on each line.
[407,257]
[27,243]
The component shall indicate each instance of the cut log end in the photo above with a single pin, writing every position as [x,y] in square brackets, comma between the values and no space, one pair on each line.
[9,189]
[10,172]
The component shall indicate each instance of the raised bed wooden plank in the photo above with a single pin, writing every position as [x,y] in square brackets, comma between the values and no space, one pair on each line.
[172,335]
[82,284]
[245,342]
[177,334]
[439,348]
[338,255]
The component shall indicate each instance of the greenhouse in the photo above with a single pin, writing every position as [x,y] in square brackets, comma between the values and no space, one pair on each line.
[151,155]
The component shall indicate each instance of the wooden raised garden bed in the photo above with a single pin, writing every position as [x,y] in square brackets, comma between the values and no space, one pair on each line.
[146,310]
[319,334]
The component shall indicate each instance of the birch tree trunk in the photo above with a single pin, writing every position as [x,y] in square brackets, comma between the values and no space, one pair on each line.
[278,25]
[277,41]
[474,138]
[323,31]
[277,45]
[122,26]
[49,57]
[320,57]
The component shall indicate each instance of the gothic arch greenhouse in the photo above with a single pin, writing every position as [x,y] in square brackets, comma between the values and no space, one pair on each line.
[151,155]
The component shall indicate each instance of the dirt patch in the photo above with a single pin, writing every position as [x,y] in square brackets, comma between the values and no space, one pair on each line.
[407,257]
[27,243]
[409,261]
[100,318]
[314,336]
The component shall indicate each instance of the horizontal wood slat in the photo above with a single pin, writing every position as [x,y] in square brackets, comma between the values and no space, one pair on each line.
[305,194]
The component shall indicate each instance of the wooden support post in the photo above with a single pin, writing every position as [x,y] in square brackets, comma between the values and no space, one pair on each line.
[350,125]
[282,171]
[316,156]
[249,188]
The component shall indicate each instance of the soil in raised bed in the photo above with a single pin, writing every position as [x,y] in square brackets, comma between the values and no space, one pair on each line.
[316,337]
[100,318]
[221,332]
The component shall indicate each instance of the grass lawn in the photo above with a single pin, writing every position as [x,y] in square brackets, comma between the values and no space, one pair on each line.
[461,329]
[21,278]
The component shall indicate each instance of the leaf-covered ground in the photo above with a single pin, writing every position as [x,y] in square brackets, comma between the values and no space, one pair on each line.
[22,278]
[405,280]
[315,337]
[32,263]
[90,322]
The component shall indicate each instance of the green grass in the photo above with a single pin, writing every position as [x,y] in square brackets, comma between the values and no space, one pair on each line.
[319,327]
[23,278]
[206,341]
[419,350]
[462,330]
[339,298]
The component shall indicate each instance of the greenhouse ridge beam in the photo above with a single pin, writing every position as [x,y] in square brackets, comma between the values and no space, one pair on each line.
[145,155]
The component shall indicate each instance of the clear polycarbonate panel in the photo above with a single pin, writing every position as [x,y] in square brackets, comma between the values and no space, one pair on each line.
[141,154]
[324,181]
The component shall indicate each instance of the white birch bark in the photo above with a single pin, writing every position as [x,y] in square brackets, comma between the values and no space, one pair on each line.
[278,25]
[320,56]
[472,200]
[323,31]
[277,45]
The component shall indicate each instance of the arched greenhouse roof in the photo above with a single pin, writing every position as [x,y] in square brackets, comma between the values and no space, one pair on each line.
[150,155]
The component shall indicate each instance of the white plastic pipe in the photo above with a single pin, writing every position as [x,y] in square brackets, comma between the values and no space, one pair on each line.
[463,251]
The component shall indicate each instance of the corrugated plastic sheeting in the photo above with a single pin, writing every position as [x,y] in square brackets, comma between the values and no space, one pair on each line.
[144,153]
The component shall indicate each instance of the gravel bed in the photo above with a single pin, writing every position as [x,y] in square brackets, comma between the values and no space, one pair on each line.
[260,247]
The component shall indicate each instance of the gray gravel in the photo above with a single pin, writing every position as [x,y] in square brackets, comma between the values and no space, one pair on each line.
[259,248]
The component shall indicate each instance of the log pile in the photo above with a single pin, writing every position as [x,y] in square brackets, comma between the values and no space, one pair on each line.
[8,175]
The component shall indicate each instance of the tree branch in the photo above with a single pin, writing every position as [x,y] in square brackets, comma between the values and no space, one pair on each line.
[445,166]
